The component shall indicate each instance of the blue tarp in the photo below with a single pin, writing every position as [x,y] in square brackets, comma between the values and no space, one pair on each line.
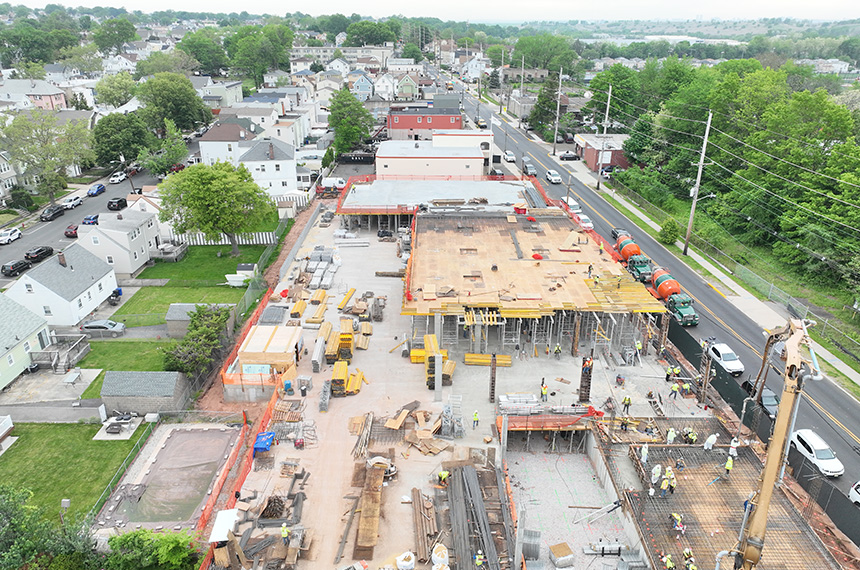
[264,441]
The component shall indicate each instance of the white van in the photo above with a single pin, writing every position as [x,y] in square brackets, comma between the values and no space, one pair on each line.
[854,493]
[811,446]
[573,205]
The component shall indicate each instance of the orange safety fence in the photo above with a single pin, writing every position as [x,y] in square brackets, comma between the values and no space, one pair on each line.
[229,377]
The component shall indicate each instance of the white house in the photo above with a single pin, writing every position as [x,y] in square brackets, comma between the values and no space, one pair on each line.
[66,288]
[221,142]
[404,65]
[422,158]
[339,66]
[8,176]
[300,64]
[221,94]
[272,164]
[149,201]
[474,68]
[23,331]
[276,77]
[123,240]
[339,39]
[256,112]
[116,63]
[385,87]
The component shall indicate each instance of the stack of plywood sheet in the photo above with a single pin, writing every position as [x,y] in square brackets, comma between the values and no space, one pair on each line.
[298,309]
[370,505]
[271,345]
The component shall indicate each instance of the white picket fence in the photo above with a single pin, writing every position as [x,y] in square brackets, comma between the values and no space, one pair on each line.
[254,238]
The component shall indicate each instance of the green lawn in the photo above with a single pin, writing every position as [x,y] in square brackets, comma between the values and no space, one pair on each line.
[143,355]
[61,461]
[149,305]
[203,264]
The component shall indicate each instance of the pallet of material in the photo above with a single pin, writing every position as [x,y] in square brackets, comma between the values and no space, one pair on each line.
[448,372]
[339,378]
[318,297]
[353,386]
[424,522]
[473,359]
[362,342]
[298,309]
[366,329]
[319,314]
[327,281]
[370,505]
[331,347]
[325,330]
[346,299]
[318,354]
[418,355]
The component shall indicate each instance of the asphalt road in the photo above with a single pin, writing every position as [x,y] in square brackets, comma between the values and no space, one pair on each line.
[825,407]
[51,233]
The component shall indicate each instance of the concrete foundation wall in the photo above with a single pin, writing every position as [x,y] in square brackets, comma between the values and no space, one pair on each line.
[248,393]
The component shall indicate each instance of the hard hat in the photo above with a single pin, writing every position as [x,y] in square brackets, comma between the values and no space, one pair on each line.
[479,552]
[283,524]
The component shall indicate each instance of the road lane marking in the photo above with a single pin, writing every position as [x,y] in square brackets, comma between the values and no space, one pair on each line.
[718,291]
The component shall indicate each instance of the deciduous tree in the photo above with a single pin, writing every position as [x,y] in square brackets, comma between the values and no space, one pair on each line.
[160,157]
[24,533]
[176,61]
[120,135]
[115,90]
[113,34]
[412,51]
[205,49]
[146,550]
[349,119]
[172,96]
[215,199]
[544,51]
[368,33]
[84,58]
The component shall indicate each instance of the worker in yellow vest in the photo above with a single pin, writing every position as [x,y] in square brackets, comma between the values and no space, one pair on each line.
[673,391]
[479,559]
[443,478]
[730,463]
[475,419]
[625,403]
[543,392]
[285,533]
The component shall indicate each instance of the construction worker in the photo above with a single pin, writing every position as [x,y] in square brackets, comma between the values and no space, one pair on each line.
[664,487]
[686,388]
[443,478]
[673,391]
[644,454]
[676,371]
[557,351]
[670,436]
[690,565]
[639,346]
[587,364]
[667,560]
[479,559]
[625,422]
[693,437]
[668,373]
[688,554]
[669,473]
[590,269]
[680,465]
[712,439]
[655,474]
[676,521]
[475,419]
[625,403]
[673,482]
[600,248]
[733,447]
[285,533]
[543,390]
[730,463]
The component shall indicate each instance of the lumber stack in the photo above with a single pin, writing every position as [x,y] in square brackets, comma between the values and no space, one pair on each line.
[448,373]
[339,378]
[319,297]
[367,535]
[342,305]
[418,355]
[319,314]
[298,309]
[424,521]
[473,359]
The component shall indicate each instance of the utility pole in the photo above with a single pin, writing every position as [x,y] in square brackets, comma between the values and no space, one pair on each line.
[501,76]
[603,142]
[695,191]
[557,111]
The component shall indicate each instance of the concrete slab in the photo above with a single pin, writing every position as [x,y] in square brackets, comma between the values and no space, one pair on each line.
[45,386]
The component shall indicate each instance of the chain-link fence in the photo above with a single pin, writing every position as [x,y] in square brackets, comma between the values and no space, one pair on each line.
[120,472]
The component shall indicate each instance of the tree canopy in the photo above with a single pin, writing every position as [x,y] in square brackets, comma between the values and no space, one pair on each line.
[368,33]
[544,51]
[206,49]
[177,61]
[116,90]
[215,199]
[412,51]
[349,119]
[113,34]
[120,135]
[170,150]
[172,96]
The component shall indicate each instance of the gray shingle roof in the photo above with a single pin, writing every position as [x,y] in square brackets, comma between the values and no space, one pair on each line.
[18,323]
[151,384]
[267,149]
[81,271]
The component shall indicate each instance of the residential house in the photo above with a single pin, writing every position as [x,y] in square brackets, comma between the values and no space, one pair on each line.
[514,74]
[300,64]
[57,73]
[286,131]
[416,123]
[222,94]
[66,288]
[123,240]
[29,93]
[404,158]
[385,87]
[404,65]
[305,79]
[350,54]
[369,64]
[294,94]
[521,106]
[8,176]
[23,331]
[826,65]
[276,77]
[332,79]
[360,85]
[338,65]
[340,39]
[598,151]
[261,115]
[149,201]
[117,63]
[221,142]
[272,164]
[407,88]
[474,68]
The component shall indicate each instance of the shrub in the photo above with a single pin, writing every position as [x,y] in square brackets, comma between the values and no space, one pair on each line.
[669,233]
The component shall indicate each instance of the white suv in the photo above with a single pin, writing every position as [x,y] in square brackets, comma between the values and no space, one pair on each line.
[854,493]
[727,359]
[811,446]
[553,176]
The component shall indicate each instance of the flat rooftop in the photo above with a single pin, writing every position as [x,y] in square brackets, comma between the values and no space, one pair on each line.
[523,265]
[425,149]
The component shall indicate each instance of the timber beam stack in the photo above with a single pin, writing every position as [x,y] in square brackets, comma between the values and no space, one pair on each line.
[424,521]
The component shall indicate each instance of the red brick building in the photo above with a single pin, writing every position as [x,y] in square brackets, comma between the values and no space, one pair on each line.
[418,123]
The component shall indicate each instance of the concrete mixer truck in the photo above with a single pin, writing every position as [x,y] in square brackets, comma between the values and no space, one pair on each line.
[637,264]
[667,289]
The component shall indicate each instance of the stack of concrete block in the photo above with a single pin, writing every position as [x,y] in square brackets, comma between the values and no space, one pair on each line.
[531,544]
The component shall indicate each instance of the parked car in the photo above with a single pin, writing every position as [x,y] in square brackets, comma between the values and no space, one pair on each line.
[9,235]
[509,156]
[132,169]
[585,222]
[177,167]
[15,268]
[103,328]
[553,176]
[573,205]
[91,220]
[117,177]
[769,400]
[559,138]
[569,155]
[96,189]
[39,253]
[607,169]
[117,203]
[71,202]
[568,137]
[811,446]
[615,232]
[52,213]
[71,231]
[481,123]
[726,358]
[496,174]
[854,493]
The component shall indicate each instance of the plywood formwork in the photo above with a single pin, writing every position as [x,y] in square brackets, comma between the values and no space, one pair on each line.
[272,345]
[518,267]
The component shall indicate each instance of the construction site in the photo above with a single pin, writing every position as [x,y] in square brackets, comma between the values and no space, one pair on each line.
[481,382]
